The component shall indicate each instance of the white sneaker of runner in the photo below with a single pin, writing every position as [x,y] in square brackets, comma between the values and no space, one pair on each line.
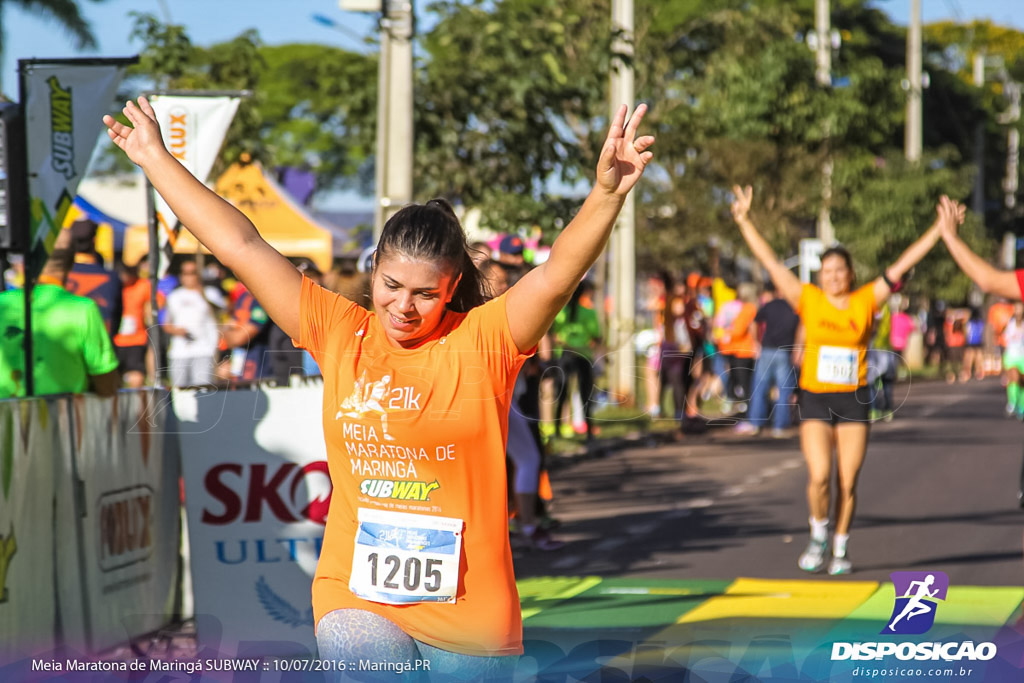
[813,557]
[840,565]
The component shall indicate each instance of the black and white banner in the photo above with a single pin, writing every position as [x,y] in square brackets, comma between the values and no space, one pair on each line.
[193,128]
[64,101]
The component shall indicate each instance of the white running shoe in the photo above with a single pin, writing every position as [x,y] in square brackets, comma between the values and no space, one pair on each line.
[746,429]
[840,565]
[813,558]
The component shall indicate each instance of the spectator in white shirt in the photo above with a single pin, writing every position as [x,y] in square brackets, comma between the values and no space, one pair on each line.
[192,327]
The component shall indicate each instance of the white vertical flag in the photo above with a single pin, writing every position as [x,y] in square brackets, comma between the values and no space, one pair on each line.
[193,128]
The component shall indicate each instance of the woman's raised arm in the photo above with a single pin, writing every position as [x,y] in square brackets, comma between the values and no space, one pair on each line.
[536,299]
[909,258]
[990,279]
[787,284]
[218,225]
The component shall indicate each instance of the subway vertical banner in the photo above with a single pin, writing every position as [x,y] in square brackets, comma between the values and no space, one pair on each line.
[64,102]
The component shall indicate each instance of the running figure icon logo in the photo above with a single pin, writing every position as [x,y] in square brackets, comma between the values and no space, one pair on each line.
[917,596]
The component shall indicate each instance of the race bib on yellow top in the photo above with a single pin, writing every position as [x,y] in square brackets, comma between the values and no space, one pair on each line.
[838,365]
[402,558]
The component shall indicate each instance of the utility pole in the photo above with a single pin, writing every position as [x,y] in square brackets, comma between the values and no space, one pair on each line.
[823,76]
[978,200]
[912,133]
[394,112]
[1011,182]
[623,240]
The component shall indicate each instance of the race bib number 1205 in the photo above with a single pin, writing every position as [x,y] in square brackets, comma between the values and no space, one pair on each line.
[402,558]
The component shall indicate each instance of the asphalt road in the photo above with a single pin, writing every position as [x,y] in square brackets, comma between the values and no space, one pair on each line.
[938,491]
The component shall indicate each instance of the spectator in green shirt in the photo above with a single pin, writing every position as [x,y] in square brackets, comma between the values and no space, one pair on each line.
[71,347]
[576,333]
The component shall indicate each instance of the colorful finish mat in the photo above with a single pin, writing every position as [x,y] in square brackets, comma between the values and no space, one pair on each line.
[765,630]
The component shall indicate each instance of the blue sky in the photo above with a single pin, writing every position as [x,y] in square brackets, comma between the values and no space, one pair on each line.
[282,21]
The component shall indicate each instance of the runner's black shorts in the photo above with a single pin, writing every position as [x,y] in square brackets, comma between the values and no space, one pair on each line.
[835,406]
[131,358]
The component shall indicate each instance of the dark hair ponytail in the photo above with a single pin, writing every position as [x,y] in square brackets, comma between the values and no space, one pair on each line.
[431,232]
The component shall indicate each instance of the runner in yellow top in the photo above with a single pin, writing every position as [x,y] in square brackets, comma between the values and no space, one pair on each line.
[415,563]
[834,401]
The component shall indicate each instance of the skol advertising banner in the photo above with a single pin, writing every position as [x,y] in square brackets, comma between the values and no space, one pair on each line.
[193,128]
[256,496]
[125,521]
[27,603]
[64,106]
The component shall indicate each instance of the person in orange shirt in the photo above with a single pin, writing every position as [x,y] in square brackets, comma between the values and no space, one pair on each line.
[132,340]
[999,314]
[415,563]
[738,344]
[956,341]
[834,398]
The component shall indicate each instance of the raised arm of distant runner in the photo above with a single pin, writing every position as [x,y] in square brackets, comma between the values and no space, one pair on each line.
[536,299]
[219,226]
[909,258]
[787,284]
[990,279]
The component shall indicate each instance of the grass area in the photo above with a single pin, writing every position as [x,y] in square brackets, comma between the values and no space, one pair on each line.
[614,422]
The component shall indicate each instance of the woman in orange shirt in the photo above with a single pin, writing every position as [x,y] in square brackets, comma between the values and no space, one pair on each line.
[415,562]
[834,398]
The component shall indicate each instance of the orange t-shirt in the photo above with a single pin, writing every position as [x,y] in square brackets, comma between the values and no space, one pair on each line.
[955,327]
[135,298]
[836,341]
[419,431]
[741,343]
[998,315]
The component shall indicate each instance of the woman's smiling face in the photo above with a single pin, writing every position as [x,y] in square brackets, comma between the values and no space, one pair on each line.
[410,297]
[836,277]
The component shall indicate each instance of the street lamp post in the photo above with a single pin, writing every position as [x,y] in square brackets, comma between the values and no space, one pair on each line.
[394,106]
[623,240]
[823,77]
[912,135]
[395,113]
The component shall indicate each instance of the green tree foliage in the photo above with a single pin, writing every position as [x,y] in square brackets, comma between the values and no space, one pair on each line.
[961,42]
[320,105]
[512,94]
[310,106]
[893,204]
[954,49]
[735,100]
[511,106]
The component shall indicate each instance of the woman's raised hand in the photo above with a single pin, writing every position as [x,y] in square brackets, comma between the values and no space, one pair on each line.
[741,204]
[143,140]
[951,215]
[624,156]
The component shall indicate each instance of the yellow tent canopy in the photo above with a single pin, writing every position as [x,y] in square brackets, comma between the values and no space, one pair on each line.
[285,225]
